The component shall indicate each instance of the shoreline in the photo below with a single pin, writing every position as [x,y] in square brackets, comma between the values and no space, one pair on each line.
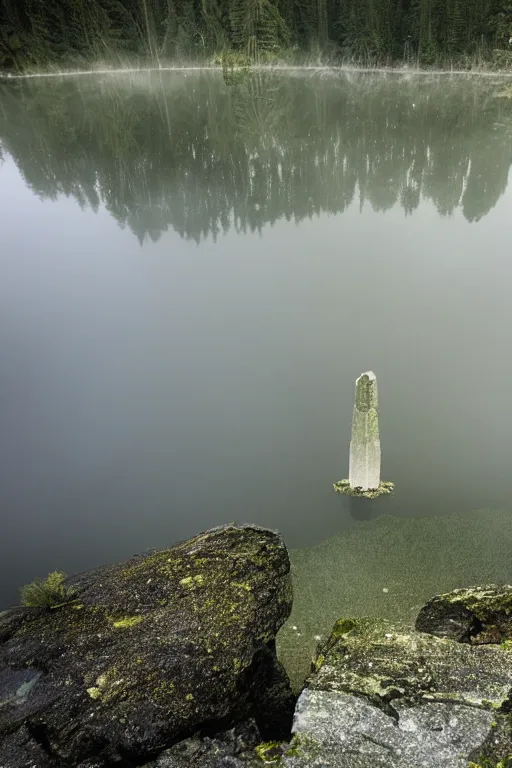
[342,69]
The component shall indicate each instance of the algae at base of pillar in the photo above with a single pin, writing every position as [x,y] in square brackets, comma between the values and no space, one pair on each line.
[343,486]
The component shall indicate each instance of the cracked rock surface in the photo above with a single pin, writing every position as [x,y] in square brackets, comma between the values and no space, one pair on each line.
[389,696]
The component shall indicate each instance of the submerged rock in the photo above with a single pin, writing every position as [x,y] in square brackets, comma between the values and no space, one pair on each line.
[385,695]
[148,652]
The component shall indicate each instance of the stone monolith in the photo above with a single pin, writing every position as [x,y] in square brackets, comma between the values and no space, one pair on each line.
[364,466]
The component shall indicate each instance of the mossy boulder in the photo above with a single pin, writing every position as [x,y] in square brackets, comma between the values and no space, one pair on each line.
[147,652]
[476,615]
[386,695]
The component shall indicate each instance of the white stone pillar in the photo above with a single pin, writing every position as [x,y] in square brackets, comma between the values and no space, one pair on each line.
[364,467]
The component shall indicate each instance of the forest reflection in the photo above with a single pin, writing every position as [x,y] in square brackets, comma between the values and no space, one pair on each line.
[202,153]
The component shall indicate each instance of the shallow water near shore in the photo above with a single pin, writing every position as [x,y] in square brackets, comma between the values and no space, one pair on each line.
[195,267]
[389,568]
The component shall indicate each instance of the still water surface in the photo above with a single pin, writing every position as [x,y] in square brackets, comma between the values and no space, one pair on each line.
[195,269]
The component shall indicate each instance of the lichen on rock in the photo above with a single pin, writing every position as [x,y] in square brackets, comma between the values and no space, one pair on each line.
[383,694]
[476,615]
[152,649]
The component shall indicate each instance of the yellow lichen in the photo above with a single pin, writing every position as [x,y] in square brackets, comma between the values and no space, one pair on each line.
[270,752]
[128,621]
[106,685]
[190,581]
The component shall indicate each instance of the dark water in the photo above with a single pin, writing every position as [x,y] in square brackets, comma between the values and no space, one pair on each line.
[193,272]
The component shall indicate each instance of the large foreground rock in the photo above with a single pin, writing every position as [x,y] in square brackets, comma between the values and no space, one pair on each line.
[148,652]
[385,696]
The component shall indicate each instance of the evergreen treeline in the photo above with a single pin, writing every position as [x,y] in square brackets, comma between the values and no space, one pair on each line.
[35,33]
[188,151]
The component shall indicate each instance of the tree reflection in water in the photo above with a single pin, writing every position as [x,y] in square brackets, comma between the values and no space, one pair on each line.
[201,154]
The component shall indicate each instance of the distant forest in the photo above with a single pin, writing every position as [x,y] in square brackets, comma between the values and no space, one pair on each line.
[465,33]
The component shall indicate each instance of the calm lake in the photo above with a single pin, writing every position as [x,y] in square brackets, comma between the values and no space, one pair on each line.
[194,269]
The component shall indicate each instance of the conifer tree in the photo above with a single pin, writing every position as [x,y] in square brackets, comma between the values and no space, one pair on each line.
[44,32]
[257,27]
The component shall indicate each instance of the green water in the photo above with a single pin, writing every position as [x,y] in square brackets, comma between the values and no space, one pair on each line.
[389,568]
